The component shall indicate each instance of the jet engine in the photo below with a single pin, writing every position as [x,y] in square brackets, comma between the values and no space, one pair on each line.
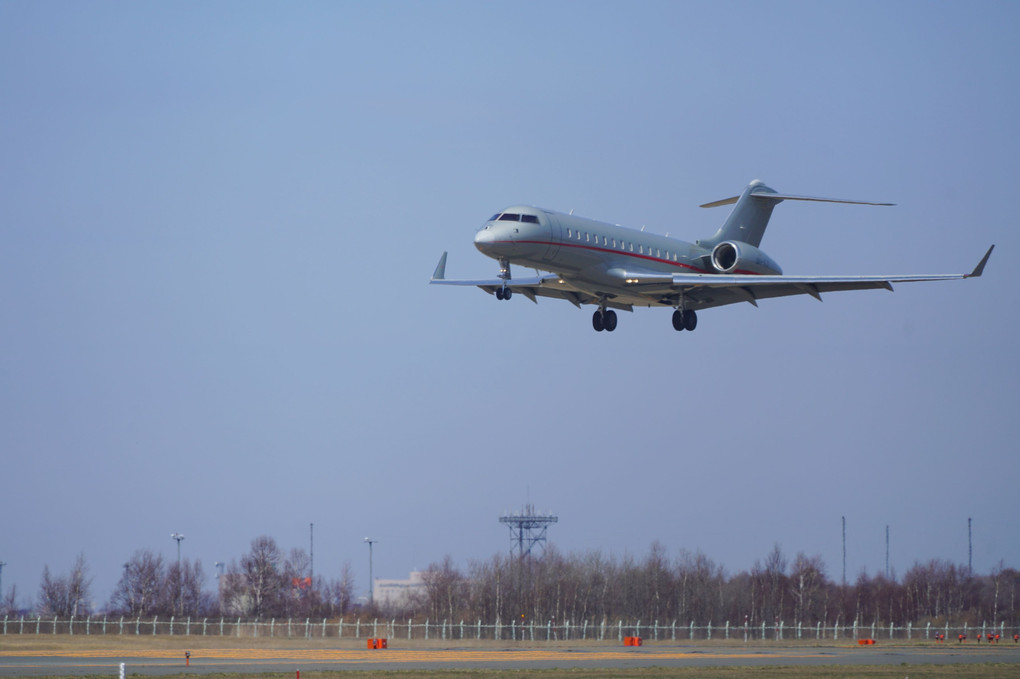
[735,257]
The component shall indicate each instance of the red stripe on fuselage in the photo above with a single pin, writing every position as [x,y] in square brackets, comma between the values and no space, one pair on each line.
[582,246]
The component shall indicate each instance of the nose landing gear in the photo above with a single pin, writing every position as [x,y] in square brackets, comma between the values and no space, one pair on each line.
[504,273]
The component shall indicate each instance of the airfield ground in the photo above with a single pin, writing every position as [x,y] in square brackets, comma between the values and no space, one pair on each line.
[63,656]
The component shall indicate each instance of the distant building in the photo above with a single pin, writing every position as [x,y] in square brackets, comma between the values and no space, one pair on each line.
[398,593]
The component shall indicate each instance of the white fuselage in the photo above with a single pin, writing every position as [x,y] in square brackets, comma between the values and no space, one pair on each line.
[591,255]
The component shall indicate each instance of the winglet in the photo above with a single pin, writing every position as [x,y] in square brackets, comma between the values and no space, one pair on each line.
[980,268]
[440,272]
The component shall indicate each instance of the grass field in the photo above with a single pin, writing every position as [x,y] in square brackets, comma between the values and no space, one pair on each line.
[1004,661]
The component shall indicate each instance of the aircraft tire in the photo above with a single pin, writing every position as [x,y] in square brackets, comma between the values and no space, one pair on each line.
[507,293]
[690,320]
[678,320]
[609,320]
[597,321]
[499,293]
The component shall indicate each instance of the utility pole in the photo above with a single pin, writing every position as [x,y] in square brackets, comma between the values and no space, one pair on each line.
[311,552]
[970,549]
[2,564]
[180,576]
[886,551]
[844,551]
[371,582]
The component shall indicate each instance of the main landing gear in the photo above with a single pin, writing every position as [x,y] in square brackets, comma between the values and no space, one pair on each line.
[685,319]
[504,293]
[604,319]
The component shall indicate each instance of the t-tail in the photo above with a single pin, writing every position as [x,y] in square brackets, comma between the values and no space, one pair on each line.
[752,211]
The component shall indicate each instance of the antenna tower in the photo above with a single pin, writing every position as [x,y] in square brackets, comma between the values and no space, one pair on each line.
[527,529]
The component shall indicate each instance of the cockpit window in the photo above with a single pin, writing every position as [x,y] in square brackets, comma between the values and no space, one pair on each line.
[513,217]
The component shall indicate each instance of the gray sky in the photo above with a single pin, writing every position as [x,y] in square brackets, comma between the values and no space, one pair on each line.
[218,221]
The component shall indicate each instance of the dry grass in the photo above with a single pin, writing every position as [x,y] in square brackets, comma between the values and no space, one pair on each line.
[127,644]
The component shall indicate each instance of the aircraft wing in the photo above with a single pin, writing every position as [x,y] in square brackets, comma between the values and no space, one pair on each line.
[543,285]
[710,290]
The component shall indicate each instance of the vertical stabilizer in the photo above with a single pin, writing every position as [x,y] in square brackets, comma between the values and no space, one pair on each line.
[753,208]
[749,218]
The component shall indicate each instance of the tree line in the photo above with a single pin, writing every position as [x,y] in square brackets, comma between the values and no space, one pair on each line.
[692,587]
[264,583]
[268,583]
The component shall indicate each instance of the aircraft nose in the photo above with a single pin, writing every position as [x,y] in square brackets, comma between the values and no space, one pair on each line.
[485,239]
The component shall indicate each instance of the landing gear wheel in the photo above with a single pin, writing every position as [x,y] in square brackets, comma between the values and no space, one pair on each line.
[597,321]
[678,320]
[499,293]
[690,320]
[609,320]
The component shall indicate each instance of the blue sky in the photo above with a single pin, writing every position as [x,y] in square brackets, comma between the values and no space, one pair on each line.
[218,220]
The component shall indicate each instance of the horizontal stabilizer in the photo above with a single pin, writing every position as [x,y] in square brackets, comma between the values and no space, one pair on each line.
[786,196]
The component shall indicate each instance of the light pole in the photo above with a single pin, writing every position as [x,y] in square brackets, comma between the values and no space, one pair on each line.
[2,564]
[178,537]
[371,582]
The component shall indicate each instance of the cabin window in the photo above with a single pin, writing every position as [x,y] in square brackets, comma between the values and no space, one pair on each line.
[631,246]
[570,234]
[587,237]
[614,243]
[605,241]
[641,249]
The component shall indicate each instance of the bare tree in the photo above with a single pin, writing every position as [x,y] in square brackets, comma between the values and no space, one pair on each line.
[302,597]
[140,591]
[52,594]
[9,604]
[444,586]
[234,596]
[699,588]
[340,592]
[263,575]
[770,583]
[185,584]
[807,580]
[68,595]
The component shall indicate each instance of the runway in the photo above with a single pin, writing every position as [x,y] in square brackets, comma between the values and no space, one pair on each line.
[248,661]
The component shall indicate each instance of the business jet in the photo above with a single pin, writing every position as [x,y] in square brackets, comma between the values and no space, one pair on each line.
[617,268]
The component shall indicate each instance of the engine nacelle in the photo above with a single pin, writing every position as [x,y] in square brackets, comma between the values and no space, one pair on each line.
[732,256]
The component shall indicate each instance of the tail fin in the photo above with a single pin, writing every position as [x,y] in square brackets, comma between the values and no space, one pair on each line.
[749,218]
[753,209]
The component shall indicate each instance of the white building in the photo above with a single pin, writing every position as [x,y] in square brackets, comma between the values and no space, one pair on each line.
[398,593]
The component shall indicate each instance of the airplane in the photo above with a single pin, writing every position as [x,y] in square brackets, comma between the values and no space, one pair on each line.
[618,268]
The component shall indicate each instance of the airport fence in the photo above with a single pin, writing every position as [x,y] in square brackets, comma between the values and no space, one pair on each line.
[513,631]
